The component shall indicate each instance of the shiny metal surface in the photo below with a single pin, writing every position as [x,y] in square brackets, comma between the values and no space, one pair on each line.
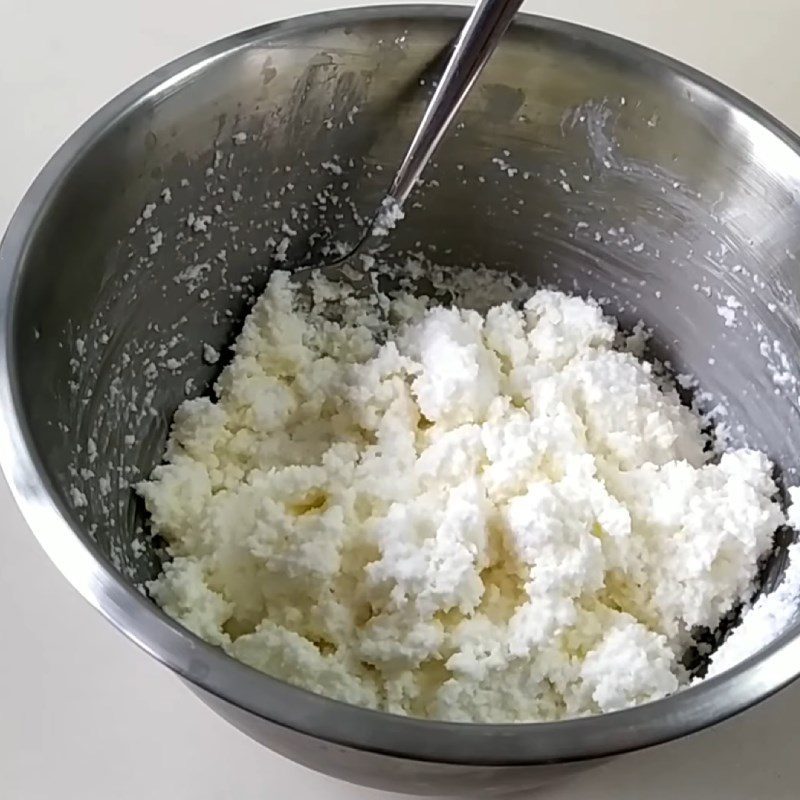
[579,160]
[475,45]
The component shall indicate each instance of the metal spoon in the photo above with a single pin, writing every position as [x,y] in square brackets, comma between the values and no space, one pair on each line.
[471,52]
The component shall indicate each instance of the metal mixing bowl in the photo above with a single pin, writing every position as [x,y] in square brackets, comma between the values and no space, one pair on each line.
[580,160]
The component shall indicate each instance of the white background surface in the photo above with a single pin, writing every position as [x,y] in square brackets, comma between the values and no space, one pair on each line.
[83,713]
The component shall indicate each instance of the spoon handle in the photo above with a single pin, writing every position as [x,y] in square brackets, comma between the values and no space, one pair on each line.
[474,47]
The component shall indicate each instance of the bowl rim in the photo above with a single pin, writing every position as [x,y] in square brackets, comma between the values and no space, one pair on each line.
[218,674]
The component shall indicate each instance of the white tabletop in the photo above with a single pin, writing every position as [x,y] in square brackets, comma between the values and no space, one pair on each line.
[83,713]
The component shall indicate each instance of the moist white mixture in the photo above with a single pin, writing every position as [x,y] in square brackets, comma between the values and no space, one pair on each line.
[492,517]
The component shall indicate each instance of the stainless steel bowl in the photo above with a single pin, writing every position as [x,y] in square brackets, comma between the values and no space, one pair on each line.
[580,160]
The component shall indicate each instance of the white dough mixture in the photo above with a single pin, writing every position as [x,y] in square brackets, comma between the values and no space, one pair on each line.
[480,517]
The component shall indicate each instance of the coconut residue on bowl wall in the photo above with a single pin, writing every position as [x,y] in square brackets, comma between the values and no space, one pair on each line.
[130,417]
